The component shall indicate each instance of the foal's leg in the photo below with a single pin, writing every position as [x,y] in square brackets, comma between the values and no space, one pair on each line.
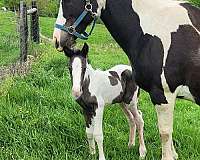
[140,127]
[132,125]
[98,130]
[165,124]
[90,137]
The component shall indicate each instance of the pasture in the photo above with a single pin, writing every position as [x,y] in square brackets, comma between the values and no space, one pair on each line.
[40,120]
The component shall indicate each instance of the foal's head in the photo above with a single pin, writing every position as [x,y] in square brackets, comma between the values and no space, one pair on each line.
[69,12]
[77,68]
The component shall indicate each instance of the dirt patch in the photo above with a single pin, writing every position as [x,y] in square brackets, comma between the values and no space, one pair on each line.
[16,69]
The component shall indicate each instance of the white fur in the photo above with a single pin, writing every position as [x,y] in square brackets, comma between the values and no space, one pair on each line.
[101,5]
[101,88]
[76,74]
[161,18]
[185,92]
[60,20]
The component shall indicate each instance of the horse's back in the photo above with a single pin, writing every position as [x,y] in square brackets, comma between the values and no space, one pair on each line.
[194,14]
[120,69]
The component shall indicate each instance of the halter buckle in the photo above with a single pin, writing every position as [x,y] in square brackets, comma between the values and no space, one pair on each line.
[88,7]
[71,30]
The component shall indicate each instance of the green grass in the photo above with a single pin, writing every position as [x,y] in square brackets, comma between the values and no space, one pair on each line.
[9,43]
[40,120]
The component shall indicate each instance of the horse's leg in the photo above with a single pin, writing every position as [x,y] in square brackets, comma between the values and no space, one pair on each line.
[175,155]
[165,124]
[90,137]
[140,127]
[132,125]
[98,130]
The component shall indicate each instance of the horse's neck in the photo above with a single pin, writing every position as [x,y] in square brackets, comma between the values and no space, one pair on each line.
[123,23]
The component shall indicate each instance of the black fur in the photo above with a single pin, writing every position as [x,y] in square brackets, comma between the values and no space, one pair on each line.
[129,87]
[193,13]
[88,103]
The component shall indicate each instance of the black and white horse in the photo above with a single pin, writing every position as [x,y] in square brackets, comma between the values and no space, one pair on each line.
[161,39]
[93,89]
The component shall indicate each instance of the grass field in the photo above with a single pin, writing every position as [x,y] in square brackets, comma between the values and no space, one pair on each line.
[40,120]
[9,42]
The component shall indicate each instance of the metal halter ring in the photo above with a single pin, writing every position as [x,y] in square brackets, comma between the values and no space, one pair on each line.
[71,30]
[88,7]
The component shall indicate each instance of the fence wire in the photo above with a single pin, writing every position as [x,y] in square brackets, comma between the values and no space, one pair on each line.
[14,47]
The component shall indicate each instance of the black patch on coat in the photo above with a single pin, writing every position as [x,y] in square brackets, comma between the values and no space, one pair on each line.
[113,80]
[145,52]
[183,61]
[148,67]
[194,14]
[87,102]
[114,74]
[129,87]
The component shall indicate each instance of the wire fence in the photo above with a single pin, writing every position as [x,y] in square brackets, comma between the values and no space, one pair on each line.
[18,34]
[24,28]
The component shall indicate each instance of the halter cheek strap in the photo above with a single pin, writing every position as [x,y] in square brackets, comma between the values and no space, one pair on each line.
[72,29]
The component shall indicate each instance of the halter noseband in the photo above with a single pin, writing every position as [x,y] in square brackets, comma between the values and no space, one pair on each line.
[72,29]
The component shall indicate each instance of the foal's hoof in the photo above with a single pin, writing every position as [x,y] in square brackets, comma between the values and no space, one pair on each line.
[143,152]
[131,144]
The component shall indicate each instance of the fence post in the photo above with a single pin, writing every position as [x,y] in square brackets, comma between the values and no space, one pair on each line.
[35,31]
[23,32]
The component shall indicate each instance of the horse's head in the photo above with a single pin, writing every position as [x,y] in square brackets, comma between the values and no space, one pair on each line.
[77,68]
[73,18]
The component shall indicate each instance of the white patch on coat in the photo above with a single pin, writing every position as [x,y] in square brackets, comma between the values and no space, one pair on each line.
[161,18]
[101,5]
[61,21]
[185,92]
[76,74]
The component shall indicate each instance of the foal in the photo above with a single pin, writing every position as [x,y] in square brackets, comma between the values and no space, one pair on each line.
[94,88]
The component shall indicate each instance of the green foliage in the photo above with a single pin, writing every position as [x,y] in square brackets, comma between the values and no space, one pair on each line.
[9,43]
[196,2]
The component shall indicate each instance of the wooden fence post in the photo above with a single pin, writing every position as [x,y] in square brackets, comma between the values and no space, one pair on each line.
[23,32]
[35,31]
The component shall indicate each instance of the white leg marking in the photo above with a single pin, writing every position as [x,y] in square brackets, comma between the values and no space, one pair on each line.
[98,129]
[175,155]
[140,126]
[90,137]
[132,125]
[165,124]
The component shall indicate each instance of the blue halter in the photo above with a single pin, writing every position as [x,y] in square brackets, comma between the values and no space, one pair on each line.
[72,29]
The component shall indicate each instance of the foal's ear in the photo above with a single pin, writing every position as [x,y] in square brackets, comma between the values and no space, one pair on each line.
[85,49]
[68,52]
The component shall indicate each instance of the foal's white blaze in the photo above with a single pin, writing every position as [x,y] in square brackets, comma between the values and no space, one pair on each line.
[60,20]
[76,77]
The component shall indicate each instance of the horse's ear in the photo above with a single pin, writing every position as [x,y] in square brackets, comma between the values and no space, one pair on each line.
[68,52]
[85,49]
